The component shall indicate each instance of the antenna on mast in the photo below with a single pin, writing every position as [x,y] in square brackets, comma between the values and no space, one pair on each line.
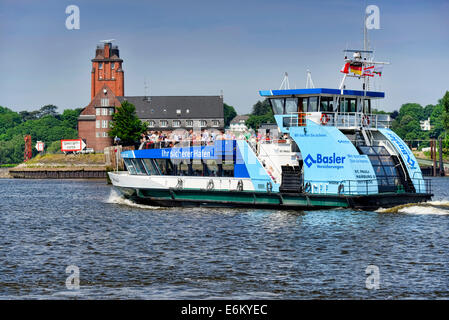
[145,88]
[285,85]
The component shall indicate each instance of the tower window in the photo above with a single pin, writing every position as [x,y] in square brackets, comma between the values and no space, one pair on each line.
[104,102]
[100,65]
[113,65]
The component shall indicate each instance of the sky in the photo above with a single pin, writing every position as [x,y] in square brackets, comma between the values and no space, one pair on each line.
[205,47]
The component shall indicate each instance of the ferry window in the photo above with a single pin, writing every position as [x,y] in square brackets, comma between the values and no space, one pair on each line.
[277,105]
[352,105]
[212,168]
[367,106]
[130,166]
[228,169]
[165,166]
[150,166]
[313,104]
[326,104]
[138,165]
[291,105]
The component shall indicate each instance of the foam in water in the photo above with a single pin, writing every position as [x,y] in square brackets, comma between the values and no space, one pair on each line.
[116,198]
[440,207]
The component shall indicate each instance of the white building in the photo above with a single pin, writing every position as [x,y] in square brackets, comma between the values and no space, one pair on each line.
[238,124]
[425,125]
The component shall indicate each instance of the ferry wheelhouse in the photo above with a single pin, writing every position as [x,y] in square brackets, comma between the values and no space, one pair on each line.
[328,150]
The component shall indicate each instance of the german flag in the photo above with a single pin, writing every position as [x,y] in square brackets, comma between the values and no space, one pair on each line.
[356,69]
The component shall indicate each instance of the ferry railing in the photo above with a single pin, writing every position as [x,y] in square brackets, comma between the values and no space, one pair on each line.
[338,119]
[363,187]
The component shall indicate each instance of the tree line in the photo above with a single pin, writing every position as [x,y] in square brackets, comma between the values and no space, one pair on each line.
[45,124]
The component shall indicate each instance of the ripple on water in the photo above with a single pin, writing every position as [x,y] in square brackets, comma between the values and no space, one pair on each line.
[128,250]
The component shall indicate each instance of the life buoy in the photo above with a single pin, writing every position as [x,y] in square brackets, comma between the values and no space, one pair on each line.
[324,118]
[307,187]
[365,120]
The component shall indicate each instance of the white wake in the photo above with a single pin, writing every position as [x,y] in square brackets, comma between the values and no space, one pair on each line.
[117,198]
[440,207]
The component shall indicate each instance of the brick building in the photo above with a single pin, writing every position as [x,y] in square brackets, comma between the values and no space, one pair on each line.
[160,112]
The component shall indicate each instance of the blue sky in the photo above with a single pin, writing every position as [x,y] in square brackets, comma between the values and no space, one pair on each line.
[202,47]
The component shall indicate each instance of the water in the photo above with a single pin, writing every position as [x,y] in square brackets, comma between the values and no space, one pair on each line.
[125,251]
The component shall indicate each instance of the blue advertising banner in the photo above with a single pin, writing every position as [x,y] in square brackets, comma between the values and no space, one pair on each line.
[408,158]
[331,162]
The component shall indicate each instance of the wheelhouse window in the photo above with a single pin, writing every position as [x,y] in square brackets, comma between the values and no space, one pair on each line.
[277,105]
[313,104]
[367,106]
[326,104]
[291,105]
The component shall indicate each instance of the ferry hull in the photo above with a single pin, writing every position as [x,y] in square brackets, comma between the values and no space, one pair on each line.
[268,200]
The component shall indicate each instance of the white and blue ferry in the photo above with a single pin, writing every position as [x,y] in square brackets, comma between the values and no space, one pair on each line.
[329,150]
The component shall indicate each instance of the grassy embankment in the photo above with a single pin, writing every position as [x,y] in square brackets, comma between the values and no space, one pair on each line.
[65,161]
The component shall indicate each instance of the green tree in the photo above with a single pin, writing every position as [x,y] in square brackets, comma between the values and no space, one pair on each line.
[70,118]
[261,108]
[445,103]
[48,110]
[254,121]
[229,114]
[126,125]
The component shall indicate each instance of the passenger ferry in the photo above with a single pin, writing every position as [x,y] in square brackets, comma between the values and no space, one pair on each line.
[329,150]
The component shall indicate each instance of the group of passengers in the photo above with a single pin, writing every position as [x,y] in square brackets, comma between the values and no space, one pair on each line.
[205,137]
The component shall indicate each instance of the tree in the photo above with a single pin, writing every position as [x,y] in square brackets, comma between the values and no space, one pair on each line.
[126,125]
[254,121]
[445,103]
[261,108]
[229,114]
[48,110]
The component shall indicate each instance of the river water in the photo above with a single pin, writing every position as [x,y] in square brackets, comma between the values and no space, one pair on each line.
[129,251]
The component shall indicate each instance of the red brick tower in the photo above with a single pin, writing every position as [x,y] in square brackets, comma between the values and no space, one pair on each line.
[107,69]
[107,83]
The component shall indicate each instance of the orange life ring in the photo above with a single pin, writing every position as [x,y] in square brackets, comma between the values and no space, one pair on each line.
[324,118]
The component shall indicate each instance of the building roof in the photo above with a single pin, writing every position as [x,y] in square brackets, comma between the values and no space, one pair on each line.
[314,91]
[239,118]
[166,107]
